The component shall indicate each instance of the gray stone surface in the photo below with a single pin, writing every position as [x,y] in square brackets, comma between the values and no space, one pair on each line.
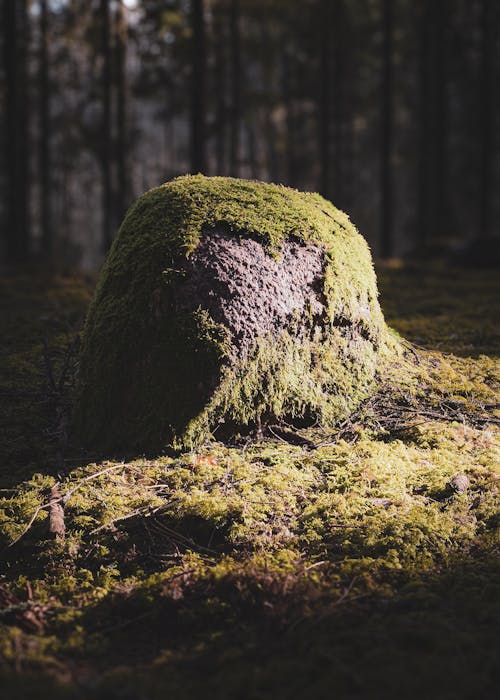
[253,294]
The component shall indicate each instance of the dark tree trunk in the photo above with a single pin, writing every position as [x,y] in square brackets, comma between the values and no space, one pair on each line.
[325,16]
[121,32]
[106,136]
[220,88]
[432,169]
[486,116]
[386,203]
[338,105]
[424,127]
[198,106]
[347,66]
[290,118]
[252,151]
[107,139]
[15,39]
[272,154]
[45,134]
[235,87]
[439,142]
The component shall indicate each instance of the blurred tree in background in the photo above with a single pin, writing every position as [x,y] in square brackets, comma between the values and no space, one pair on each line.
[387,107]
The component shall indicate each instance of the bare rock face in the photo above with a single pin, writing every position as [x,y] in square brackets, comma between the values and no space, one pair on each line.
[251,293]
[223,304]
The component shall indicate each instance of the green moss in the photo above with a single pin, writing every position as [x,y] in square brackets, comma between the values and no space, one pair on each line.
[271,570]
[266,537]
[442,307]
[146,370]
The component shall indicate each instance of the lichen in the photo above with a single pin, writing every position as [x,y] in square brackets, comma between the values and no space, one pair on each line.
[153,372]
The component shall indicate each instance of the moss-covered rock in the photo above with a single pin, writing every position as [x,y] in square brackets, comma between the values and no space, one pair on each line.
[226,303]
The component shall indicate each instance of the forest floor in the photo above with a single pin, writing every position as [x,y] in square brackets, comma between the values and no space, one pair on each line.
[356,563]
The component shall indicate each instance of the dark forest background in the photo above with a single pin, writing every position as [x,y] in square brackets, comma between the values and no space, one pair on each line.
[387,107]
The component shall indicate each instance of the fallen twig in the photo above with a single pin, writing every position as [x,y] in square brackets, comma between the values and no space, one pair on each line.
[28,526]
[57,499]
[121,518]
[57,526]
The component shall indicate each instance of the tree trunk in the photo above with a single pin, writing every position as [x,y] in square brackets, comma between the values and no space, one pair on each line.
[252,151]
[235,80]
[290,119]
[107,139]
[17,230]
[324,97]
[338,105]
[386,215]
[424,127]
[347,65]
[432,169]
[220,89]
[121,33]
[487,90]
[272,154]
[198,106]
[45,133]
[439,120]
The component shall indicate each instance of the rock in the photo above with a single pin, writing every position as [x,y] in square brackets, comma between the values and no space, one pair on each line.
[381,502]
[224,304]
[459,483]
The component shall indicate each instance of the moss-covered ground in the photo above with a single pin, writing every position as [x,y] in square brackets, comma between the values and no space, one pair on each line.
[355,563]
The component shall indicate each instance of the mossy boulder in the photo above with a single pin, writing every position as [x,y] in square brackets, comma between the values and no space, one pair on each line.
[224,304]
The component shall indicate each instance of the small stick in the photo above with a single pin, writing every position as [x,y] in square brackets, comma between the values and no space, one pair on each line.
[69,493]
[33,518]
[57,526]
[127,516]
[57,499]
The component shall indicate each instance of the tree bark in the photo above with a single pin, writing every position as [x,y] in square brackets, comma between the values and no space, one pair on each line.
[107,139]
[121,35]
[57,525]
[252,151]
[423,130]
[220,88]
[290,118]
[45,134]
[487,24]
[338,105]
[432,168]
[347,66]
[272,154]
[386,204]
[15,39]
[439,120]
[324,97]
[198,106]
[235,86]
